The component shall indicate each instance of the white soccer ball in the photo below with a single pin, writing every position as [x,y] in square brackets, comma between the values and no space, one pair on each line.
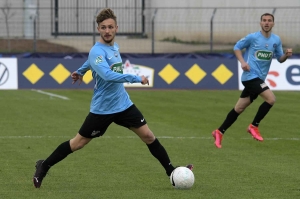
[182,178]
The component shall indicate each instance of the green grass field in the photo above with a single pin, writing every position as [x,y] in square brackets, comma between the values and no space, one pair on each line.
[119,165]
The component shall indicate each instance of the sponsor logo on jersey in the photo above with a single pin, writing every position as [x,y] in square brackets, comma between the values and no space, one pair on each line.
[264,55]
[118,68]
[98,60]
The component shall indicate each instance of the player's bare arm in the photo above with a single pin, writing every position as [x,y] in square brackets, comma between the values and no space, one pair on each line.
[288,53]
[239,56]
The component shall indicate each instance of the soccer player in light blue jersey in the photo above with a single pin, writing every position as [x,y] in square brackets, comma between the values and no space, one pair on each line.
[110,102]
[260,47]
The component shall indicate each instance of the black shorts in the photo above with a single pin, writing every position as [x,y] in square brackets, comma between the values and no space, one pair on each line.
[253,88]
[95,125]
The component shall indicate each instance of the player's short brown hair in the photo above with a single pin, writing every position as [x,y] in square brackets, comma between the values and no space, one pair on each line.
[267,14]
[106,13]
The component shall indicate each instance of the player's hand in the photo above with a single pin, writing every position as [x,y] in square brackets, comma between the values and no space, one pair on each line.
[288,52]
[75,76]
[144,80]
[245,66]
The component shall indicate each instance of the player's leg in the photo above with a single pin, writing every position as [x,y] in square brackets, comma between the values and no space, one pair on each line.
[155,147]
[259,87]
[243,102]
[61,152]
[66,148]
[133,119]
[231,117]
[93,126]
[264,108]
[269,101]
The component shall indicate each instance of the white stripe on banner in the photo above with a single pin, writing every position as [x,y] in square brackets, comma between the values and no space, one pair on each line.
[51,94]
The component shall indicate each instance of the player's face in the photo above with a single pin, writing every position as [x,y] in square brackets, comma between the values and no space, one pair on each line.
[267,23]
[107,29]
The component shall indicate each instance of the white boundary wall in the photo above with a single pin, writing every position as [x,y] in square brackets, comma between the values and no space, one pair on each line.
[231,21]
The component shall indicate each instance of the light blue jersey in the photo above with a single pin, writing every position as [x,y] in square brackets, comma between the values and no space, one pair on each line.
[259,53]
[109,95]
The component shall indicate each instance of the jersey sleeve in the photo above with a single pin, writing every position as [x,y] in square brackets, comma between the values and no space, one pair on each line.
[99,64]
[84,68]
[244,42]
[278,50]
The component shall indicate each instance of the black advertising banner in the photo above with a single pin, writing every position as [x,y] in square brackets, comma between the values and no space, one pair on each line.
[163,73]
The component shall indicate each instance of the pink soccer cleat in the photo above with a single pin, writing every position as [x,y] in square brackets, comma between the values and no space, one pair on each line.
[253,130]
[218,138]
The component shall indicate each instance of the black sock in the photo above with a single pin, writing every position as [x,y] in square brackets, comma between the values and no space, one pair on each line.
[230,119]
[261,113]
[159,152]
[62,151]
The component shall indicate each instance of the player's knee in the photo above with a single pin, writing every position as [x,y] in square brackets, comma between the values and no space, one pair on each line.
[271,101]
[148,137]
[76,145]
[239,110]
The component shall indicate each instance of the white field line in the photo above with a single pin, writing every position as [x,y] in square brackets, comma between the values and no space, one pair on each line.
[132,137]
[51,94]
